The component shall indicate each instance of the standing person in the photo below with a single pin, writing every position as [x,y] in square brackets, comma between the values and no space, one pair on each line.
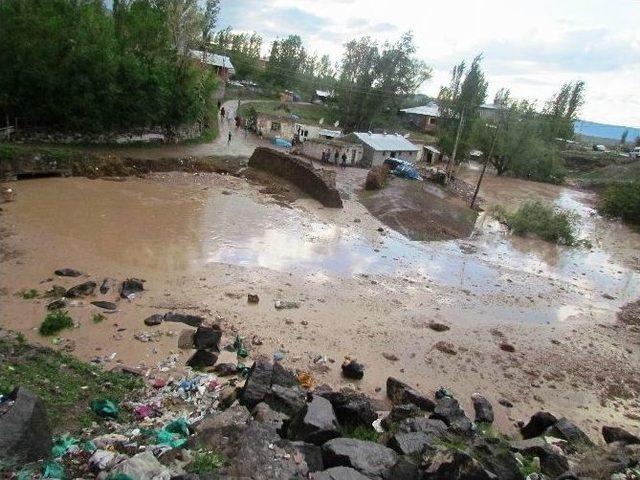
[219,104]
[222,113]
[335,158]
[344,160]
[229,139]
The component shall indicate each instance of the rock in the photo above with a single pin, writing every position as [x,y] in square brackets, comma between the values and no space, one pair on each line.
[483,408]
[101,460]
[25,435]
[81,290]
[219,431]
[438,327]
[185,339]
[191,320]
[613,461]
[312,455]
[106,285]
[552,462]
[155,319]
[507,347]
[617,434]
[208,338]
[350,407]
[142,465]
[454,465]
[410,443]
[369,458]
[110,440]
[131,286]
[265,414]
[227,397]
[422,424]
[285,304]
[399,393]
[316,424]
[252,298]
[448,410]
[496,458]
[283,377]
[225,369]
[570,432]
[68,272]
[538,423]
[202,359]
[258,382]
[405,468]
[390,356]
[104,305]
[288,400]
[57,304]
[446,347]
[505,403]
[353,370]
[399,413]
[339,473]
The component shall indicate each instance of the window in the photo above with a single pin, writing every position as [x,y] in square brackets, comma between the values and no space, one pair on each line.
[432,121]
[275,126]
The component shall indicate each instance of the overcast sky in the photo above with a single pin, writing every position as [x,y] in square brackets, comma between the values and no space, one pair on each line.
[531,47]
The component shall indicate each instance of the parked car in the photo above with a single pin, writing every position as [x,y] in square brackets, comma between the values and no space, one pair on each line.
[402,168]
[635,153]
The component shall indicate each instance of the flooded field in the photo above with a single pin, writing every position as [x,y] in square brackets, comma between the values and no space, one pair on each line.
[202,242]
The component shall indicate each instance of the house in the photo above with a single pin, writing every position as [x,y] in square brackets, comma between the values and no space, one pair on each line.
[431,154]
[489,111]
[270,126]
[221,63]
[378,146]
[314,147]
[320,96]
[424,118]
[307,131]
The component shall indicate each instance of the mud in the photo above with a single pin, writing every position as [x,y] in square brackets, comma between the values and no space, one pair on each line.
[204,241]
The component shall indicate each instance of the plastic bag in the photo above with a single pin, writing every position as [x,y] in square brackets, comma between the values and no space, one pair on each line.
[175,434]
[52,469]
[104,408]
[61,445]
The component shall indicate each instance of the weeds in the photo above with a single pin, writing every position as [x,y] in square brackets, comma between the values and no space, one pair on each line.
[205,461]
[29,294]
[622,201]
[361,433]
[544,221]
[54,322]
[97,318]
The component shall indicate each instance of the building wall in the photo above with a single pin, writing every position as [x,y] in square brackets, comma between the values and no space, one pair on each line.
[314,150]
[378,157]
[266,126]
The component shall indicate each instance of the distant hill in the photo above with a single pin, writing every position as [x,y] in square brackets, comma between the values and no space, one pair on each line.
[602,130]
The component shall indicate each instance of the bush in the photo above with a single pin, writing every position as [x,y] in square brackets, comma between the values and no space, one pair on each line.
[377,177]
[205,461]
[544,221]
[54,322]
[622,201]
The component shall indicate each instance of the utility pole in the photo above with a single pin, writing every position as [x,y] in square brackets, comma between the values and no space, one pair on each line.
[452,160]
[484,167]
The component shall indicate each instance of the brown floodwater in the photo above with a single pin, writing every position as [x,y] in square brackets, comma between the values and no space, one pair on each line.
[203,242]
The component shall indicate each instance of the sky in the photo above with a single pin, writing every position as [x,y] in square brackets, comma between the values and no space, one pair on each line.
[531,47]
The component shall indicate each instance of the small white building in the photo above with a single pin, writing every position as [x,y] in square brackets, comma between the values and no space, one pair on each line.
[378,146]
[314,147]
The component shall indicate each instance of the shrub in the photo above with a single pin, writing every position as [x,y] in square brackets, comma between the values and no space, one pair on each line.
[360,432]
[97,317]
[377,177]
[29,294]
[205,462]
[54,322]
[544,221]
[623,201]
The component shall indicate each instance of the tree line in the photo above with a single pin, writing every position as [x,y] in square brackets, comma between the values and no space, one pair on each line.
[81,66]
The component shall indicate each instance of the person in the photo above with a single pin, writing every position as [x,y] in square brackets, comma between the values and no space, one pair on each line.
[229,139]
[323,157]
[344,160]
[222,113]
[335,158]
[219,104]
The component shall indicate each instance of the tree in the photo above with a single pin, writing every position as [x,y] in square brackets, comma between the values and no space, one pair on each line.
[286,60]
[561,111]
[210,18]
[459,102]
[623,137]
[373,80]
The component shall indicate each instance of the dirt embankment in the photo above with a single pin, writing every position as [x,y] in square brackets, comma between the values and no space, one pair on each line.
[319,183]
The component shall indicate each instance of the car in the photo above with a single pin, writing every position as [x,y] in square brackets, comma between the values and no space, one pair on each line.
[635,153]
[402,168]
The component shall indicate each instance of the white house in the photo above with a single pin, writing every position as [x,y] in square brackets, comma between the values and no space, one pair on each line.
[378,146]
[314,147]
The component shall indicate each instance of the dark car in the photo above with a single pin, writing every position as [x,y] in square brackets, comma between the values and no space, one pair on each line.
[402,168]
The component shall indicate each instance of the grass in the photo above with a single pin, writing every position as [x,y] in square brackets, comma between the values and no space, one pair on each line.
[65,385]
[360,432]
[97,317]
[306,112]
[205,461]
[544,221]
[622,201]
[54,322]
[29,294]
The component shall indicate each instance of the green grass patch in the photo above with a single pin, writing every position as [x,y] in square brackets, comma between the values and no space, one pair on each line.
[360,432]
[205,461]
[97,318]
[29,294]
[54,322]
[622,201]
[307,112]
[544,221]
[66,385]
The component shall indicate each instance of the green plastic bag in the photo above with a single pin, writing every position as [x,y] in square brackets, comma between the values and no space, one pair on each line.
[61,445]
[119,476]
[238,346]
[89,446]
[52,469]
[175,434]
[104,408]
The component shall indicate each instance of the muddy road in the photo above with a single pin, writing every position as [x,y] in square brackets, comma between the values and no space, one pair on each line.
[203,242]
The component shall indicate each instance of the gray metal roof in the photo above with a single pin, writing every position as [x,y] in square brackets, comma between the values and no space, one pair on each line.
[213,59]
[386,142]
[431,109]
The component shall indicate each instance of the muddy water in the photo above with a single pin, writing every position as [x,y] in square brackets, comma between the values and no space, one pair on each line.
[203,242]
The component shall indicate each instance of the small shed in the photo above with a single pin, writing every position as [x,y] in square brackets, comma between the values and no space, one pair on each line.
[271,126]
[378,146]
[221,63]
[425,118]
[431,154]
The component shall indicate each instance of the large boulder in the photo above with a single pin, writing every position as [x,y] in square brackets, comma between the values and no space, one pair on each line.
[483,408]
[495,457]
[422,424]
[607,460]
[208,338]
[220,431]
[202,359]
[400,393]
[258,382]
[82,290]
[312,455]
[25,435]
[537,425]
[191,320]
[399,413]
[283,376]
[339,473]
[448,410]
[552,460]
[288,400]
[263,413]
[369,458]
[411,443]
[447,464]
[131,286]
[570,432]
[316,424]
[617,434]
[351,408]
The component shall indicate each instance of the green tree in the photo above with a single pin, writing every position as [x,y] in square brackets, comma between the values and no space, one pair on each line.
[286,61]
[561,111]
[459,102]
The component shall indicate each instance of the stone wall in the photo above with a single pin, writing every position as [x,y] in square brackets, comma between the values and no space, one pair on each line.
[319,183]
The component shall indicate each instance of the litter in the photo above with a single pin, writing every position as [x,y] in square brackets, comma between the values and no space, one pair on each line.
[305,379]
[52,469]
[62,445]
[104,408]
[278,356]
[174,435]
[282,304]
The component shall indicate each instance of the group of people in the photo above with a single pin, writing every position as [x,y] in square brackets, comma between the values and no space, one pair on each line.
[237,119]
[326,158]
